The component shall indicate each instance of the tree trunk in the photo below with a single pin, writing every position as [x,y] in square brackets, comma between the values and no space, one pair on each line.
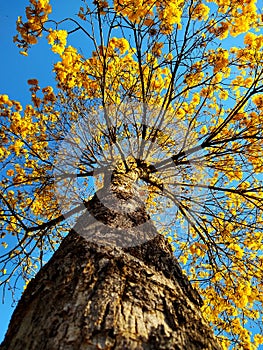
[111,296]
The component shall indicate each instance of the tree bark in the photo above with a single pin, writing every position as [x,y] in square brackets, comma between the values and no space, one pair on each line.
[93,296]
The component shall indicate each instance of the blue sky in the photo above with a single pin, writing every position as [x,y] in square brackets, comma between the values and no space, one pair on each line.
[15,71]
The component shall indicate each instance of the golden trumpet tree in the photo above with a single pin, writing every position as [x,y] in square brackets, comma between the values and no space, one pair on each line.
[160,96]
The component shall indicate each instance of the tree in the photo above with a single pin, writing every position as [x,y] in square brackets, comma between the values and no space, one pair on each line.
[164,107]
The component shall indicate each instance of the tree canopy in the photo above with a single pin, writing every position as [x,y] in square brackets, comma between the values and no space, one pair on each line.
[159,95]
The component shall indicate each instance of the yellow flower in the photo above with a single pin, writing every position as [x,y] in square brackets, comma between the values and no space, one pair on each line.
[204,130]
[123,45]
[4,99]
[58,40]
[201,12]
[183,259]
[249,39]
[223,95]
[258,100]
[258,339]
[32,81]
[239,252]
[24,53]
[157,49]
[10,172]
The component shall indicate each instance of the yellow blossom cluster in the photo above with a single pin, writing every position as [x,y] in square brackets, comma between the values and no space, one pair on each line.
[116,44]
[49,95]
[24,136]
[4,100]
[122,71]
[233,290]
[253,41]
[249,56]
[243,16]
[24,126]
[157,49]
[200,12]
[198,248]
[169,13]
[220,30]
[256,159]
[68,68]
[134,10]
[58,40]
[37,15]
[102,6]
[219,59]
[258,100]
[233,298]
[44,202]
[194,79]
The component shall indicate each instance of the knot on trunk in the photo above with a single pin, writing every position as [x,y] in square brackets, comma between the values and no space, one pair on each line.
[117,213]
[116,216]
[122,180]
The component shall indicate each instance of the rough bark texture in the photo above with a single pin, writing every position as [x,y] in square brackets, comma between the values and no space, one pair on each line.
[90,296]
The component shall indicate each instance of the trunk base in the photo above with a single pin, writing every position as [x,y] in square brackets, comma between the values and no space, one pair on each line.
[99,297]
